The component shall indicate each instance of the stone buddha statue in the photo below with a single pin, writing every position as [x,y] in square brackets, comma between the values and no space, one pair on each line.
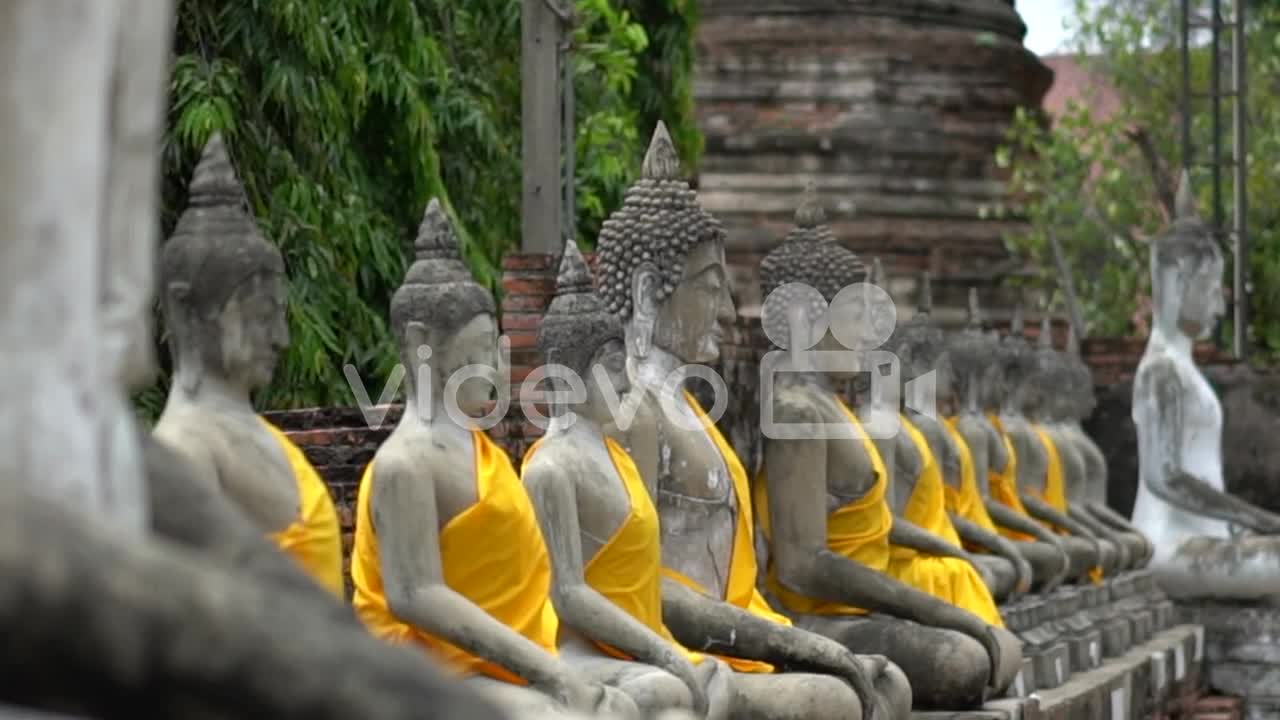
[924,536]
[1093,497]
[1208,543]
[1040,489]
[976,392]
[448,555]
[662,272]
[1059,410]
[840,562]
[924,347]
[599,520]
[224,305]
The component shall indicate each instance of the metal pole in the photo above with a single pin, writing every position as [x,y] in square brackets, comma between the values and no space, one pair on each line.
[569,143]
[1240,211]
[1215,99]
[1186,85]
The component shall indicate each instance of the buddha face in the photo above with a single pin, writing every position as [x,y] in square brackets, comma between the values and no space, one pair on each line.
[254,330]
[692,321]
[608,367]
[469,364]
[1201,303]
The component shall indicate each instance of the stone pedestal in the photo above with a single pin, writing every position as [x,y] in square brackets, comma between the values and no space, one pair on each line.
[1241,651]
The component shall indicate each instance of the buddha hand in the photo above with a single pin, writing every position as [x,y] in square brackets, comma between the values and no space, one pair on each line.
[572,692]
[683,670]
[1005,650]
[861,675]
[1022,569]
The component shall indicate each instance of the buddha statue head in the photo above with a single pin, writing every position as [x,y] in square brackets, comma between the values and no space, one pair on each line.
[1054,375]
[1018,365]
[800,280]
[223,284]
[662,264]
[443,322]
[1186,272]
[1082,396]
[970,351]
[921,346]
[581,335]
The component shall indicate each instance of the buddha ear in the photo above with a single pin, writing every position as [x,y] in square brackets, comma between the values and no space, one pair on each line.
[417,338]
[644,307]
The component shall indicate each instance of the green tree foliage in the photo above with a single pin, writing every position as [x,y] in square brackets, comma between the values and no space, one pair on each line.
[1101,183]
[345,116]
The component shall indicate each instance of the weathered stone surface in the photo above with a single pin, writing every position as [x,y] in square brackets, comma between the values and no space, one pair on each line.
[894,109]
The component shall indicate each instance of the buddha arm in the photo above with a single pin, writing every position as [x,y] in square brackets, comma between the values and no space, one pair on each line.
[977,535]
[579,605]
[704,623]
[1041,510]
[907,534]
[1171,481]
[407,526]
[198,516]
[797,471]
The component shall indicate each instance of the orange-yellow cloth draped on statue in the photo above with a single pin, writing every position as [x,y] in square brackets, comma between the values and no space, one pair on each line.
[740,589]
[1054,493]
[627,569]
[966,501]
[952,579]
[858,531]
[314,540]
[492,552]
[1004,483]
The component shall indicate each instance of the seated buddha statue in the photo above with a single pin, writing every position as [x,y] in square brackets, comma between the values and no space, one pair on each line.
[923,347]
[662,273]
[1040,485]
[976,392]
[1081,401]
[840,563]
[598,518]
[1208,543]
[1057,410]
[224,307]
[448,554]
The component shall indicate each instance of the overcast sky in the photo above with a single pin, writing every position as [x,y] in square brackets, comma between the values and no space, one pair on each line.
[1044,19]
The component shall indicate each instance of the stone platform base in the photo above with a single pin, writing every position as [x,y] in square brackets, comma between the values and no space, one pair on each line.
[1134,686]
[1241,652]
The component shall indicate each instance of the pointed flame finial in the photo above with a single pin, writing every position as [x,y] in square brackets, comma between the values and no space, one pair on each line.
[810,214]
[661,161]
[574,275]
[975,310]
[924,303]
[1046,331]
[1184,205]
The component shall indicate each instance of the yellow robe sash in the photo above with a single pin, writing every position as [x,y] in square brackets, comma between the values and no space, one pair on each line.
[492,552]
[314,540]
[740,589]
[858,531]
[1054,493]
[627,569]
[966,501]
[947,578]
[1004,483]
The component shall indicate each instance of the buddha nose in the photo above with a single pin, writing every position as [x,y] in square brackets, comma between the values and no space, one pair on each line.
[726,313]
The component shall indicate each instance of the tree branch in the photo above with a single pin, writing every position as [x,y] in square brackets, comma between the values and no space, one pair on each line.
[1160,176]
